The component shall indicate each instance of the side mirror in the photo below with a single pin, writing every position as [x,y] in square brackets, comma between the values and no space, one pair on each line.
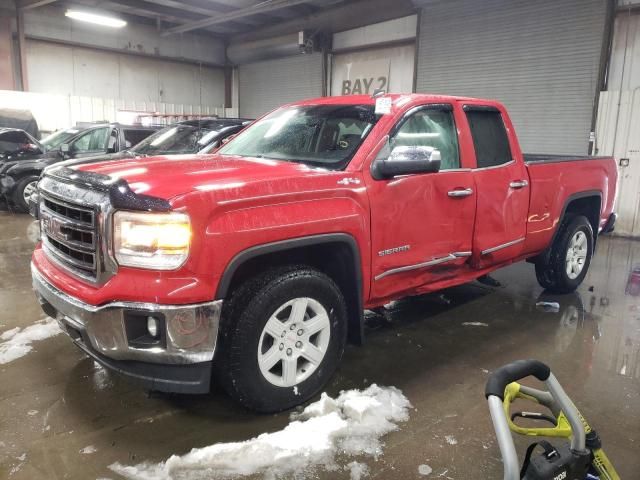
[64,148]
[407,160]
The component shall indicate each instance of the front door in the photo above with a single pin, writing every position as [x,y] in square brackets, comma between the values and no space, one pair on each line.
[501,182]
[422,225]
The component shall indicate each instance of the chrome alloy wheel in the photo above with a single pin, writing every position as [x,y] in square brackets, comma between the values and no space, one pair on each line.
[576,255]
[28,190]
[294,342]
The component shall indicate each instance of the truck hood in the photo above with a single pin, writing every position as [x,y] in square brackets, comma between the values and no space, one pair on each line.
[170,176]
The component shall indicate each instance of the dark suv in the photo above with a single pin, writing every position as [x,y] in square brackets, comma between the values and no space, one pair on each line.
[22,163]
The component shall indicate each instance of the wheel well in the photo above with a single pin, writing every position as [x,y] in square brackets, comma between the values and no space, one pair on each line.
[336,259]
[589,207]
[587,204]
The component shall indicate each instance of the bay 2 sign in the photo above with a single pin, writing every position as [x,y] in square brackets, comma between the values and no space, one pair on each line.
[361,77]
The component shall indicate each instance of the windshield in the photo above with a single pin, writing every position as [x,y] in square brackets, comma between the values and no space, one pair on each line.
[319,135]
[58,138]
[178,139]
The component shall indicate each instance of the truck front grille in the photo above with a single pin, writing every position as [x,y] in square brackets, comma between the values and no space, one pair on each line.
[69,235]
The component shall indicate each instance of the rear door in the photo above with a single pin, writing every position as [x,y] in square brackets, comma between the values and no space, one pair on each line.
[501,183]
[422,224]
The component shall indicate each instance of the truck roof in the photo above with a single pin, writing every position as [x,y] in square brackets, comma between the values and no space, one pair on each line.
[396,98]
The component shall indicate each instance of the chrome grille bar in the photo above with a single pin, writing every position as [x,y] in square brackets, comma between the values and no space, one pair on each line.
[69,234]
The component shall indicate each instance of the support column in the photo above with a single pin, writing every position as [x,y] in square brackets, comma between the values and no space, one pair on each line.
[7,75]
[22,51]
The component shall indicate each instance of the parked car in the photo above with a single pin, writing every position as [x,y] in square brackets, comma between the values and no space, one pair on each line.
[257,264]
[19,175]
[189,136]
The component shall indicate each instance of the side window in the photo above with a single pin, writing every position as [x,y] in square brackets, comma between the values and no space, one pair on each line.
[489,138]
[92,141]
[134,137]
[431,128]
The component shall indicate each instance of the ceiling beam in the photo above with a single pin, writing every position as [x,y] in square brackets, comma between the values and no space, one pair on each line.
[263,7]
[192,7]
[26,5]
[170,15]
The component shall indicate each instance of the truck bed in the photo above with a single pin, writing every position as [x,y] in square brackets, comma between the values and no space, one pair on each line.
[553,158]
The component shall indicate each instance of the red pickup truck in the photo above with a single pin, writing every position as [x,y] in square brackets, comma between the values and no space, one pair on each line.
[254,265]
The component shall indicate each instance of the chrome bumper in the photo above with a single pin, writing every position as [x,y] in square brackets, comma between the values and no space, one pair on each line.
[188,332]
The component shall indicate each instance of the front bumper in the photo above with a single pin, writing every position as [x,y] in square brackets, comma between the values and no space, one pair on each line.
[115,335]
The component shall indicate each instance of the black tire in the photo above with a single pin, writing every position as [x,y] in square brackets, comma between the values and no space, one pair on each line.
[244,317]
[552,274]
[18,200]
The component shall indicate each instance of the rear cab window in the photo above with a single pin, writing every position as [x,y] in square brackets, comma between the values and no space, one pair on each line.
[489,133]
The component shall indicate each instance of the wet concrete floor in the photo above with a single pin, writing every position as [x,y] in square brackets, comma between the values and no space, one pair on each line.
[55,402]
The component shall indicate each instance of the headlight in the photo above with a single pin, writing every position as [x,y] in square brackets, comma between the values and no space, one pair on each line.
[158,241]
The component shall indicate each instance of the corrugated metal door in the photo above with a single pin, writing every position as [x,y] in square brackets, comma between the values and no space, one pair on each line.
[266,85]
[539,58]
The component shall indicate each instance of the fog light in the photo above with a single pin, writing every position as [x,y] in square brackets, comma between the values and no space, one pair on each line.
[153,326]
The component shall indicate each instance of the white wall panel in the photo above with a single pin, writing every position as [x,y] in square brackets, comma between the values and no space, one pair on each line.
[390,31]
[53,112]
[65,70]
[539,58]
[354,67]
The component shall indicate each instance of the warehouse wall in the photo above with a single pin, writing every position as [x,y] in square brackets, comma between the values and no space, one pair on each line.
[65,70]
[50,23]
[540,58]
[618,127]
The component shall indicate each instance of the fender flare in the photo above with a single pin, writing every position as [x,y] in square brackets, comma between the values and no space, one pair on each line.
[574,196]
[258,250]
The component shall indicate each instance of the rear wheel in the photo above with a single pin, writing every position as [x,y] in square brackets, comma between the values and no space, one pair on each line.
[282,337]
[22,191]
[570,257]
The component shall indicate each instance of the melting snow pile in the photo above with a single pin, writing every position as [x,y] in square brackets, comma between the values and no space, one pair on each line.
[16,343]
[351,424]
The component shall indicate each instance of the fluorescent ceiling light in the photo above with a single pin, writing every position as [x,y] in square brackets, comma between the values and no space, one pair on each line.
[96,18]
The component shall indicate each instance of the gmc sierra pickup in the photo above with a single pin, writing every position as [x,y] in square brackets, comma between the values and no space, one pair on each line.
[253,266]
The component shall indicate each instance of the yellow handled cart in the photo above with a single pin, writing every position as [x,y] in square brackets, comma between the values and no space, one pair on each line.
[580,457]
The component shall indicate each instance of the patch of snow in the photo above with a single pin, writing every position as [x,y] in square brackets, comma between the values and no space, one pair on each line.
[17,342]
[357,470]
[31,413]
[22,457]
[89,449]
[9,333]
[425,469]
[351,424]
[475,324]
[451,440]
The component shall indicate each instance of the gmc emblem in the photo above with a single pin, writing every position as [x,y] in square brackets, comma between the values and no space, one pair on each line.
[53,226]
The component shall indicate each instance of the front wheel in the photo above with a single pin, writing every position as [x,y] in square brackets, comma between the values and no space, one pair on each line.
[570,257]
[22,191]
[282,337]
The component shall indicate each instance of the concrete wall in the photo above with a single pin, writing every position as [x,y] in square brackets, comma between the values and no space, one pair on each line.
[65,70]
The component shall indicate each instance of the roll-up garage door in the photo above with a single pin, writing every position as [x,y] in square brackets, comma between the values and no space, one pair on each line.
[266,85]
[539,58]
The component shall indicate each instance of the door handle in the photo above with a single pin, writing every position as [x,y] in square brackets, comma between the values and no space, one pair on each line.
[518,184]
[460,193]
